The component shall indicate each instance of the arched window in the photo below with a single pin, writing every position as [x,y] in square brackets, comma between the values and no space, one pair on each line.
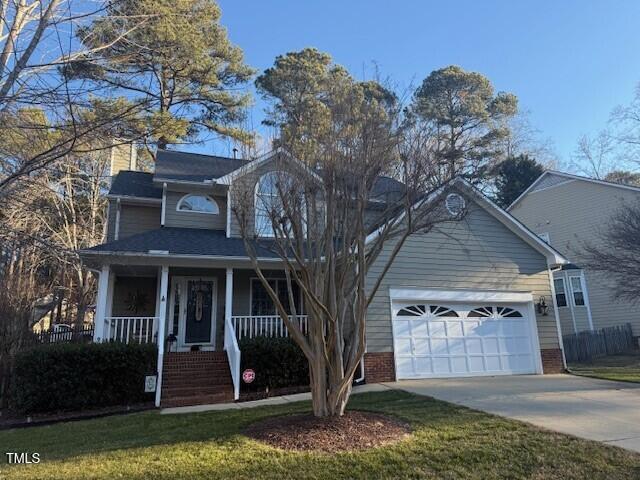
[419,310]
[268,201]
[198,204]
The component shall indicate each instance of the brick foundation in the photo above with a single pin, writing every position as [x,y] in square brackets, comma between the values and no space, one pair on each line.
[379,367]
[552,360]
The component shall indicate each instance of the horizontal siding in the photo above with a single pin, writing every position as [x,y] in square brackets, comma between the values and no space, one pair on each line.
[476,253]
[573,213]
[606,309]
[566,321]
[136,219]
[173,218]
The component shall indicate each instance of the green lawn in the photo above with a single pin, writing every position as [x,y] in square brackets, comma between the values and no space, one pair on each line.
[623,367]
[448,442]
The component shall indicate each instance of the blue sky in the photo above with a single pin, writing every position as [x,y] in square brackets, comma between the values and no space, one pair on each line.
[569,62]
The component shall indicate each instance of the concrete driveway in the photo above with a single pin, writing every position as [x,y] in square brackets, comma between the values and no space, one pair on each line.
[600,410]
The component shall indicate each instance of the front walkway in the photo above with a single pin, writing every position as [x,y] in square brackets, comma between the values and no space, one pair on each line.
[589,408]
[298,397]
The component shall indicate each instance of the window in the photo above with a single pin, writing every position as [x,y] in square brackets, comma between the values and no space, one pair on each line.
[576,290]
[419,310]
[500,312]
[198,204]
[455,204]
[561,294]
[268,201]
[261,303]
[544,237]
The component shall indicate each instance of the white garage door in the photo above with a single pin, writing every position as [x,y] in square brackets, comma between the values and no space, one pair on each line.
[433,339]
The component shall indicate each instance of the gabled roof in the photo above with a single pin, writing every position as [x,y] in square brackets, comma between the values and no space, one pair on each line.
[135,184]
[511,223]
[255,164]
[193,167]
[553,256]
[184,167]
[538,184]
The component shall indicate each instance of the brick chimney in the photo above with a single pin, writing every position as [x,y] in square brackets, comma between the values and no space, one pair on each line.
[123,157]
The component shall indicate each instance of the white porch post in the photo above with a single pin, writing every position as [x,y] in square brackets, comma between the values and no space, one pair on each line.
[228,299]
[162,319]
[101,304]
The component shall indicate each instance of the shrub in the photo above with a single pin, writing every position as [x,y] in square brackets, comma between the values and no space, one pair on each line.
[278,363]
[78,376]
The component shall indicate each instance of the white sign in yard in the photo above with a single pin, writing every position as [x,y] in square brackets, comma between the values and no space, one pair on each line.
[150,383]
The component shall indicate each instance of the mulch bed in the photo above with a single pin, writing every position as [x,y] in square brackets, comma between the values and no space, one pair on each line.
[12,419]
[355,430]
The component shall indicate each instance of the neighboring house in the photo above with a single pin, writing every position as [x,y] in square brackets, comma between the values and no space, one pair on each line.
[465,299]
[569,211]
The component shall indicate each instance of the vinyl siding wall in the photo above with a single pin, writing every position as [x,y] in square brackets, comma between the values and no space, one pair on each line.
[477,253]
[136,219]
[174,218]
[573,213]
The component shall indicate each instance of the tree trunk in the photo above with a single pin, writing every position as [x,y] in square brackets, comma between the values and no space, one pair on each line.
[326,398]
[318,378]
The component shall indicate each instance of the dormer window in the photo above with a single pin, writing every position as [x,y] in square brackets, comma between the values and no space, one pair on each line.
[198,204]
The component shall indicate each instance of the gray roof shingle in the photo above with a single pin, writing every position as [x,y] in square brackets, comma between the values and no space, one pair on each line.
[193,167]
[183,241]
[135,184]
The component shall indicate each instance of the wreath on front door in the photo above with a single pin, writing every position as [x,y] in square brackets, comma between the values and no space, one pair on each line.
[199,301]
[137,302]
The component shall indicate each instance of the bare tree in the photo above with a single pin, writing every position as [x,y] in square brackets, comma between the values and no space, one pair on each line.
[616,251]
[60,211]
[37,97]
[596,156]
[523,138]
[337,221]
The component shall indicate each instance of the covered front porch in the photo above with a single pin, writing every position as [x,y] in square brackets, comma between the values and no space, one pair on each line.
[189,309]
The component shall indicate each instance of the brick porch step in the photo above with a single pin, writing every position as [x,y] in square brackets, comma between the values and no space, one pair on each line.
[196,378]
[198,400]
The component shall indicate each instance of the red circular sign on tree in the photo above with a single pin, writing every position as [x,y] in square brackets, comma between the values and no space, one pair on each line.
[248,375]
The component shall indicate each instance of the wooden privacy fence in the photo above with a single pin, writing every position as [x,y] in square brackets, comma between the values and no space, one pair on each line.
[585,346]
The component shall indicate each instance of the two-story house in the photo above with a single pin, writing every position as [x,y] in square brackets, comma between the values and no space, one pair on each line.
[471,297]
[569,211]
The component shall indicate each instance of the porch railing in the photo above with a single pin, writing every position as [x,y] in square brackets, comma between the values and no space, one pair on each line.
[131,329]
[233,354]
[264,326]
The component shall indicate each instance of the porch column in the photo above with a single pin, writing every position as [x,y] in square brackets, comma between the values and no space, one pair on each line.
[101,304]
[162,320]
[228,299]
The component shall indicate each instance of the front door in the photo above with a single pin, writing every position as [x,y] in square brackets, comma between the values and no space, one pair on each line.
[194,300]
